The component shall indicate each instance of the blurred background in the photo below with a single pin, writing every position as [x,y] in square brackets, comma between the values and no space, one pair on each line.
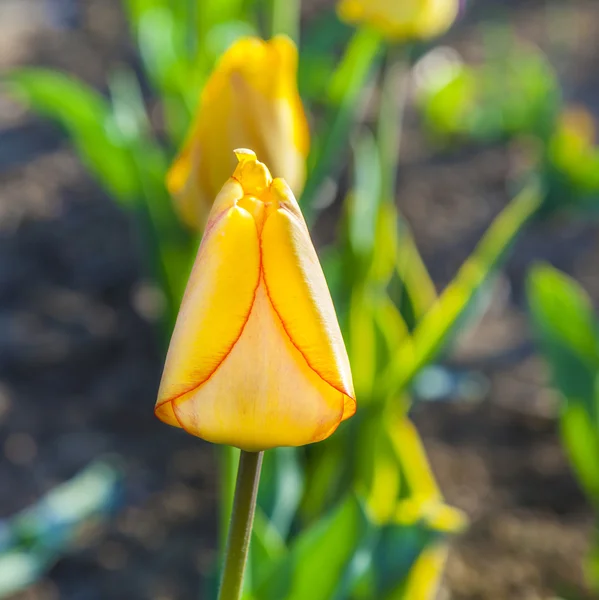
[80,364]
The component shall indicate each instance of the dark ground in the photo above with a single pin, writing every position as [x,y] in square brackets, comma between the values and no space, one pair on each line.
[79,366]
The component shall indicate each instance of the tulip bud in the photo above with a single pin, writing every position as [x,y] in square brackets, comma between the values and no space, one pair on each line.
[400,20]
[250,100]
[256,359]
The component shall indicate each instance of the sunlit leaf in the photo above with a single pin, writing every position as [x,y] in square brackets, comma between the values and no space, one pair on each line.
[581,441]
[362,341]
[564,323]
[346,88]
[423,579]
[436,329]
[318,558]
[281,488]
[362,204]
[87,118]
[267,547]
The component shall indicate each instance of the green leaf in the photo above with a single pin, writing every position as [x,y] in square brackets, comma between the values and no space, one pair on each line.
[87,118]
[564,324]
[319,557]
[424,577]
[219,21]
[581,441]
[362,340]
[166,43]
[417,287]
[324,477]
[346,87]
[267,547]
[318,54]
[362,204]
[331,260]
[215,12]
[281,488]
[436,329]
[384,257]
[407,557]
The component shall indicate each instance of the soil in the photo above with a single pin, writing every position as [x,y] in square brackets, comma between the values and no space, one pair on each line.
[79,362]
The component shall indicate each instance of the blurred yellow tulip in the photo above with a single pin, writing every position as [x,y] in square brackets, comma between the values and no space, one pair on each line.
[256,359]
[250,100]
[400,20]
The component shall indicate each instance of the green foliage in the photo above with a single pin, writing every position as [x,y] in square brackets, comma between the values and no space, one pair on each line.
[281,488]
[317,560]
[435,330]
[343,97]
[565,326]
[358,516]
[513,91]
[88,119]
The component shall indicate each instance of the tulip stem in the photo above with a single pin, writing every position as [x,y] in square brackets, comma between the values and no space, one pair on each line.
[240,529]
[229,461]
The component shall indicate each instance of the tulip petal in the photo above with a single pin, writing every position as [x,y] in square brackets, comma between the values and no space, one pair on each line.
[263,394]
[299,294]
[216,305]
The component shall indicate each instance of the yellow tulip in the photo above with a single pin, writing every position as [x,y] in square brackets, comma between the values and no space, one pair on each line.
[250,101]
[256,359]
[401,19]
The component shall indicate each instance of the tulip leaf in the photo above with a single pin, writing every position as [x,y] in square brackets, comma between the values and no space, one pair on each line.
[165,41]
[384,254]
[346,87]
[214,12]
[438,326]
[266,548]
[88,119]
[324,478]
[405,558]
[363,202]
[391,328]
[424,577]
[378,472]
[398,549]
[564,324]
[581,441]
[320,42]
[362,341]
[331,260]
[410,552]
[392,467]
[417,287]
[281,488]
[318,558]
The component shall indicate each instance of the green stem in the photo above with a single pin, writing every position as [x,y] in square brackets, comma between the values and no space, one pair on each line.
[240,530]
